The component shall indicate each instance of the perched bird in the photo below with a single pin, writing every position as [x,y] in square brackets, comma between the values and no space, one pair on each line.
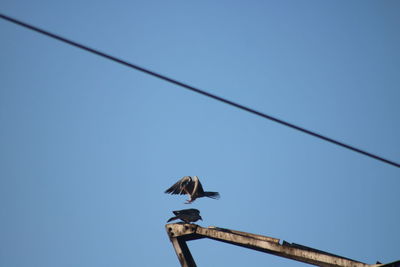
[187,216]
[190,185]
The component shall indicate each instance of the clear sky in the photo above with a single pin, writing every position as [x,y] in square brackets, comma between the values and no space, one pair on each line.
[87,146]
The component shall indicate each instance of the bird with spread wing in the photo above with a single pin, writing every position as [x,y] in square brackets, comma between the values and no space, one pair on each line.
[187,216]
[191,186]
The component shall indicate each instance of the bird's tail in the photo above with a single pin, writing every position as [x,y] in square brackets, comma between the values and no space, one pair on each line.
[172,218]
[214,195]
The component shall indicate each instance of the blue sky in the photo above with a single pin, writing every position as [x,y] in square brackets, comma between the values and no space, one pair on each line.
[88,146]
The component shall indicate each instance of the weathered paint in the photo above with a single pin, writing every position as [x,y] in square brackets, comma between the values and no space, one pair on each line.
[180,233]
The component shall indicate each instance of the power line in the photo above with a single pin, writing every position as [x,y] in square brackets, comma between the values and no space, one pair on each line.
[194,89]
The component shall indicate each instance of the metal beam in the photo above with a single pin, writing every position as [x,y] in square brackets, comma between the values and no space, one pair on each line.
[178,236]
[179,232]
[392,264]
[183,252]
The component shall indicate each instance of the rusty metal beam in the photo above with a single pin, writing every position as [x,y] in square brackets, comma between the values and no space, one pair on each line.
[183,252]
[392,264]
[180,232]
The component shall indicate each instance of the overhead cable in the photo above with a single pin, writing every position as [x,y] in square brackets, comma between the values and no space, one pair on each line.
[197,90]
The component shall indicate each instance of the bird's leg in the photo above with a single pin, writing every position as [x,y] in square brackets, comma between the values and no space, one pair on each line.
[189,201]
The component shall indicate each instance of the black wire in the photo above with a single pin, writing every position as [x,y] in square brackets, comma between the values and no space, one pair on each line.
[221,99]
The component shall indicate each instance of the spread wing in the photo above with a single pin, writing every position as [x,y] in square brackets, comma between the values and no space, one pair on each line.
[191,186]
[181,187]
[198,188]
